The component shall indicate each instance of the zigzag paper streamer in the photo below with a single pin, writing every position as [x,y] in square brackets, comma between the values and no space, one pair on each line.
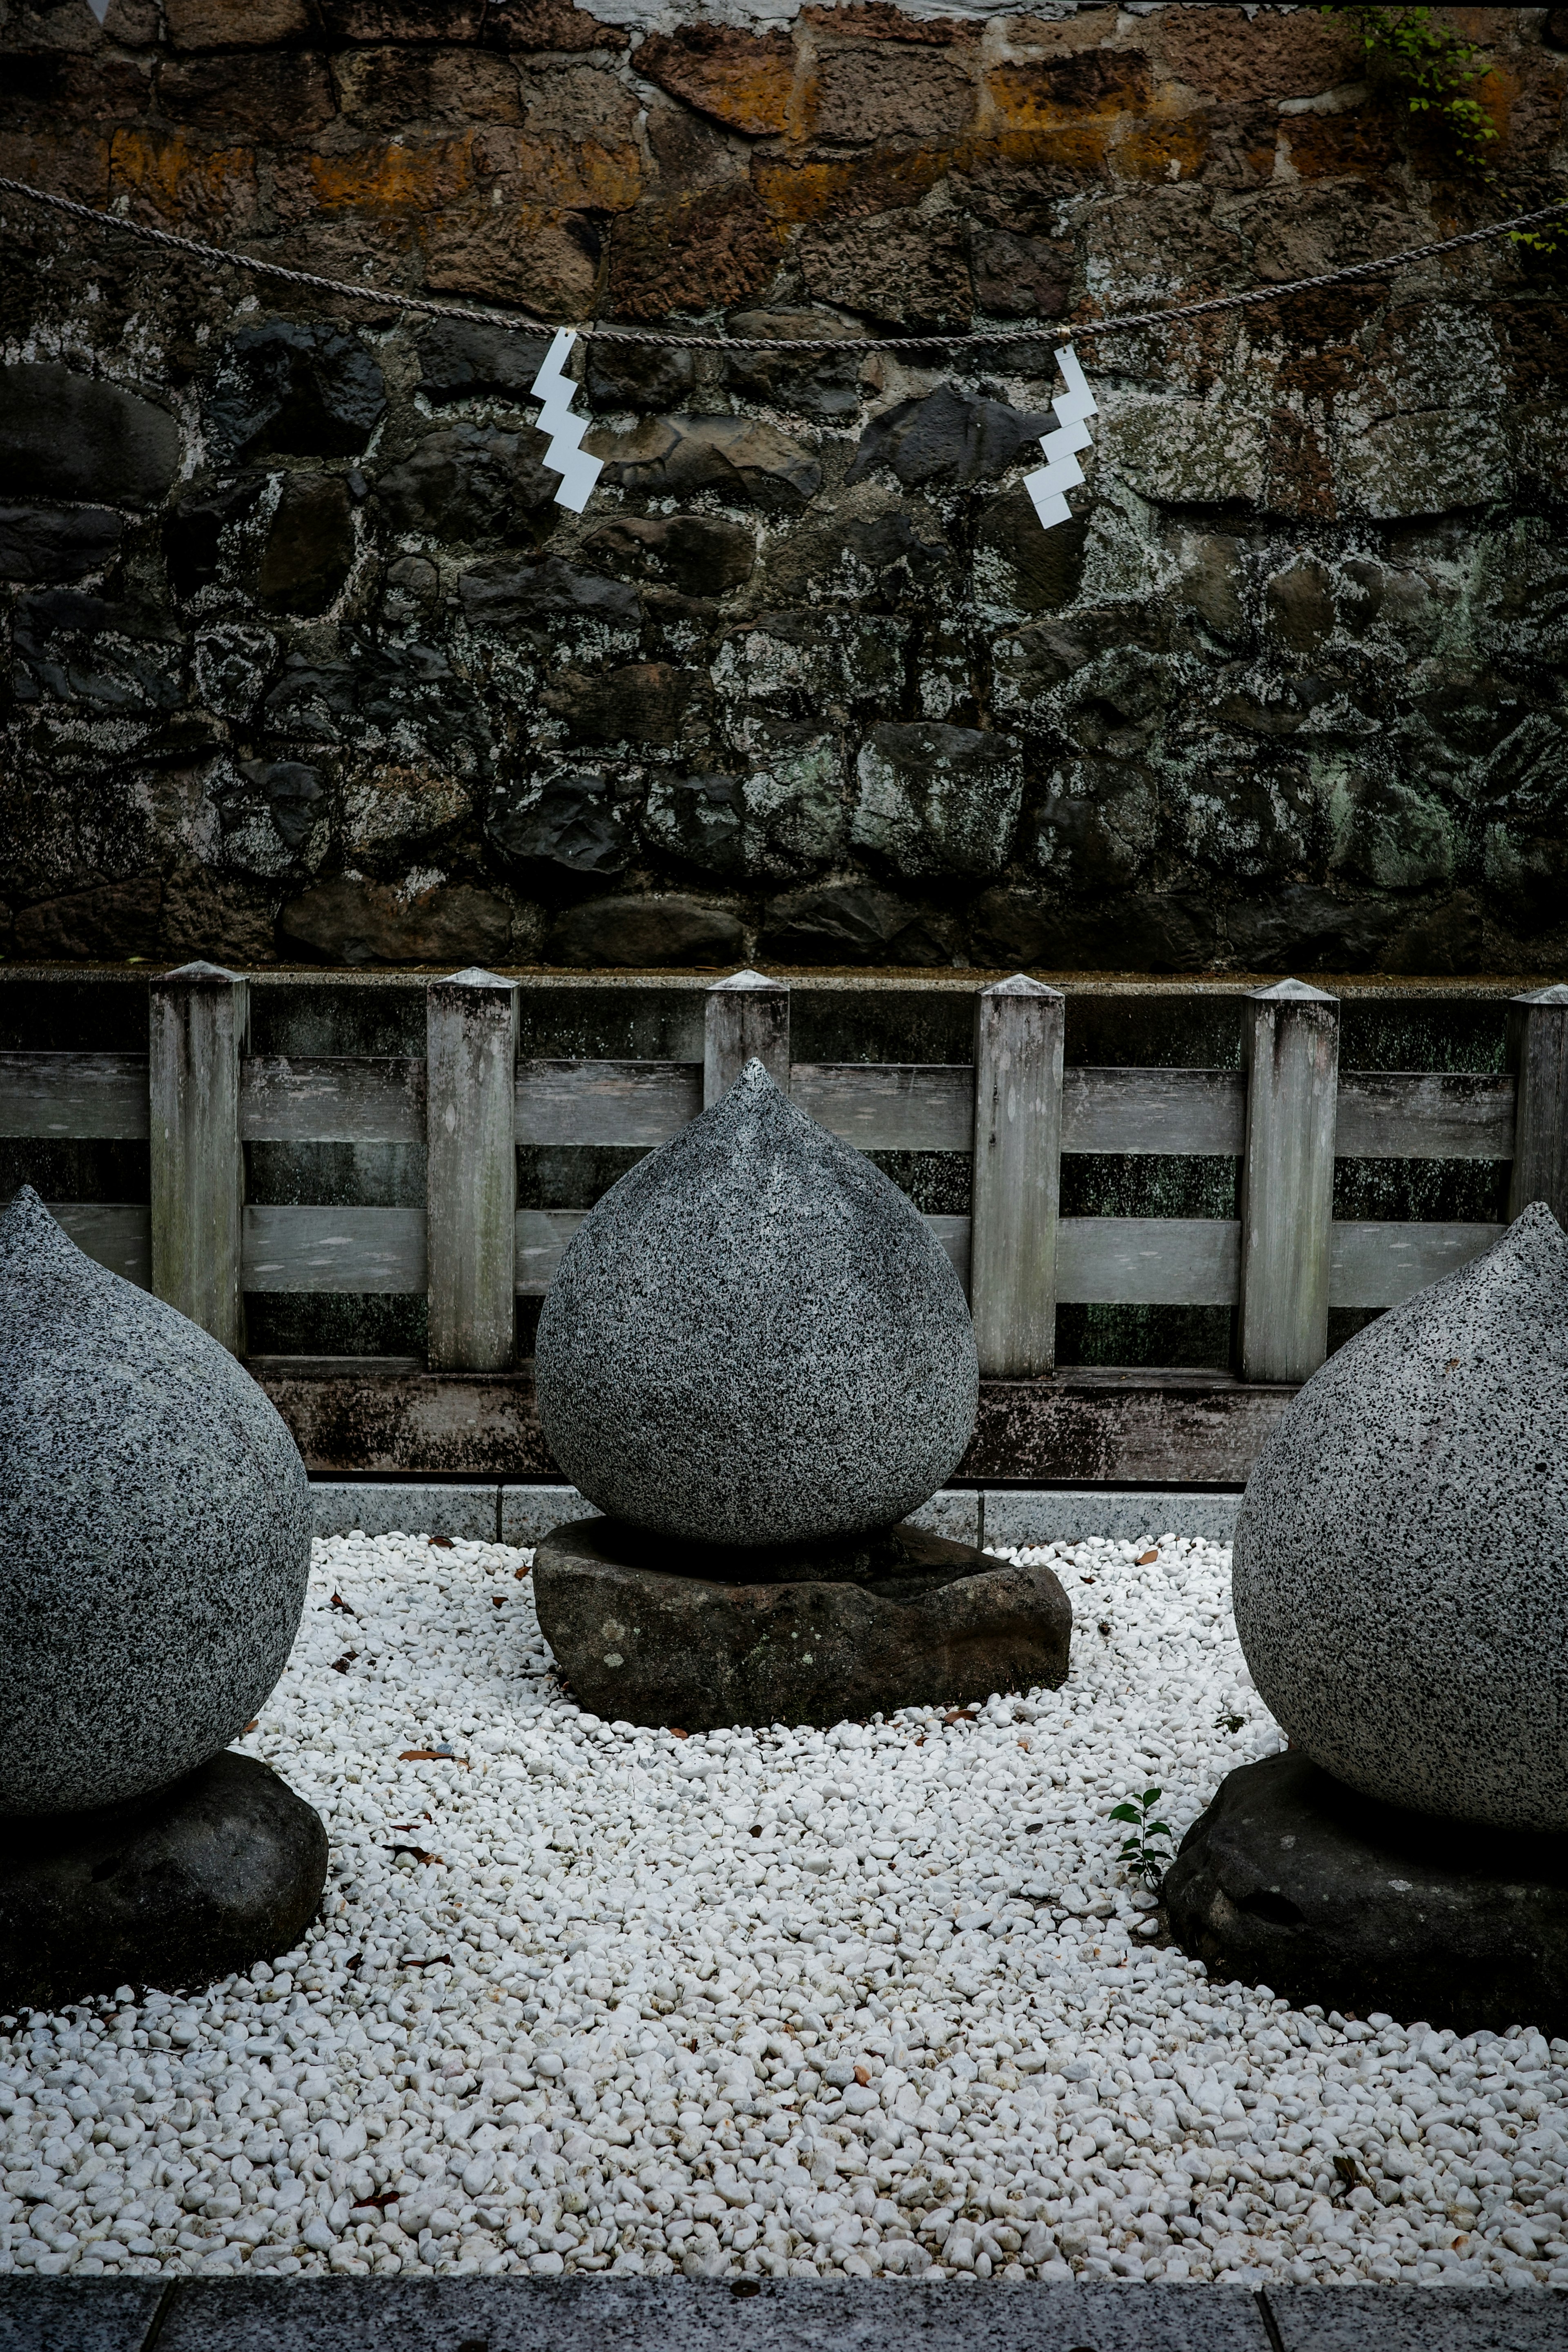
[1061,470]
[578,471]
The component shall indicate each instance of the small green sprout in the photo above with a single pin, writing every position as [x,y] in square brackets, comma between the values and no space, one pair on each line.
[1142,1854]
[1228,1721]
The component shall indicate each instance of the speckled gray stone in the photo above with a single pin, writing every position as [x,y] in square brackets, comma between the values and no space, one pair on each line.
[1401,1560]
[154,1532]
[754,1339]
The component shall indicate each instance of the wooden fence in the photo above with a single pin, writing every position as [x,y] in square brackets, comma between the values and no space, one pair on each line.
[199,1097]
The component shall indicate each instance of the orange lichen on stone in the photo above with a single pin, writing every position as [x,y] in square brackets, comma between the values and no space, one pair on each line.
[1168,149]
[818,187]
[745,81]
[397,178]
[185,181]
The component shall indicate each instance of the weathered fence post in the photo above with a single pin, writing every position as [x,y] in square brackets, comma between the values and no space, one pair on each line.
[1292,1054]
[1538,1055]
[1017,1178]
[747,1019]
[198,1018]
[470,1171]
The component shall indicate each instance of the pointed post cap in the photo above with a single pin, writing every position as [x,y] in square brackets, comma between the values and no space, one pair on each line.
[477,977]
[1291,991]
[748,980]
[202,975]
[1020,984]
[1556,994]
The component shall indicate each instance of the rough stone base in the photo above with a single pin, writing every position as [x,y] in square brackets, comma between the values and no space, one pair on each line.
[224,1869]
[1291,1881]
[900,1620]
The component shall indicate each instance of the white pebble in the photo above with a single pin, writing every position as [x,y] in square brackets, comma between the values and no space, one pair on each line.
[873,2000]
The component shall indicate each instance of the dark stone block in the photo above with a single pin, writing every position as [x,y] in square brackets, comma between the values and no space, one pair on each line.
[639,375]
[695,553]
[471,482]
[640,704]
[111,920]
[632,933]
[311,545]
[291,791]
[500,592]
[1020,276]
[50,544]
[461,360]
[194,531]
[948,436]
[358,923]
[1046,567]
[825,385]
[1293,1881]
[853,922]
[696,821]
[64,436]
[1304,929]
[292,389]
[224,1869]
[1140,932]
[648,1630]
[565,817]
[740,459]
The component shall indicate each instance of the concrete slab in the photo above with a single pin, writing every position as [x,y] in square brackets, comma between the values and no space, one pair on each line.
[384,1508]
[953,1513]
[680,2316]
[1016,1514]
[528,1513]
[66,2315]
[1419,2319]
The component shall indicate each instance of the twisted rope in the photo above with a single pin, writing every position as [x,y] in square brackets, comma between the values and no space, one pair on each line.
[1120,323]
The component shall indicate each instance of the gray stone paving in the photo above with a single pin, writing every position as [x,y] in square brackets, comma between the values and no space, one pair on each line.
[516,2315]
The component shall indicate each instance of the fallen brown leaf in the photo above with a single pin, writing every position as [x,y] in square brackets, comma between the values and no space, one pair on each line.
[337,1601]
[341,1665]
[1145,1557]
[518,1573]
[440,1543]
[863,2075]
[416,1851]
[250,1727]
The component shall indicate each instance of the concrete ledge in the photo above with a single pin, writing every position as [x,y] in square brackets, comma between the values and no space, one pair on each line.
[1015,1515]
[583,2315]
[969,1515]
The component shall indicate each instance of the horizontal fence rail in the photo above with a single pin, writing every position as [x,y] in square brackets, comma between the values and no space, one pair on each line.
[1282,1264]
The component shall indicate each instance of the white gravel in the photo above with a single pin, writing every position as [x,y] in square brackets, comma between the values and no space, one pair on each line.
[874,2001]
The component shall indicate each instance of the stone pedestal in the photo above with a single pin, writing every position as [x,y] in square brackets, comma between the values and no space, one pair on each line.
[649,1630]
[1293,1881]
[224,1869]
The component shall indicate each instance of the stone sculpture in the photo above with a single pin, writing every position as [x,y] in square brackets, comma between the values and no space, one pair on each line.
[154,1546]
[1402,1599]
[756,1361]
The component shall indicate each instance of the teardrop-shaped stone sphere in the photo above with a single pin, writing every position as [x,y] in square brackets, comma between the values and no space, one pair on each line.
[154,1532]
[754,1339]
[1401,1561]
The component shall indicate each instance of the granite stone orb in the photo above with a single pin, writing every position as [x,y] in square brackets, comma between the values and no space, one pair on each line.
[1401,1558]
[154,1532]
[754,1339]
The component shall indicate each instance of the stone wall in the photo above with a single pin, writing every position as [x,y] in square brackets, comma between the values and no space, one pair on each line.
[306,664]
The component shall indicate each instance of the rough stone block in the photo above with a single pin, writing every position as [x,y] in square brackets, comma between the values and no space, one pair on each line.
[354,923]
[309,545]
[471,483]
[935,798]
[502,593]
[642,932]
[528,1513]
[461,360]
[657,1633]
[64,436]
[889,93]
[948,436]
[717,247]
[736,456]
[696,554]
[560,816]
[744,80]
[295,390]
[900,271]
[51,543]
[853,922]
